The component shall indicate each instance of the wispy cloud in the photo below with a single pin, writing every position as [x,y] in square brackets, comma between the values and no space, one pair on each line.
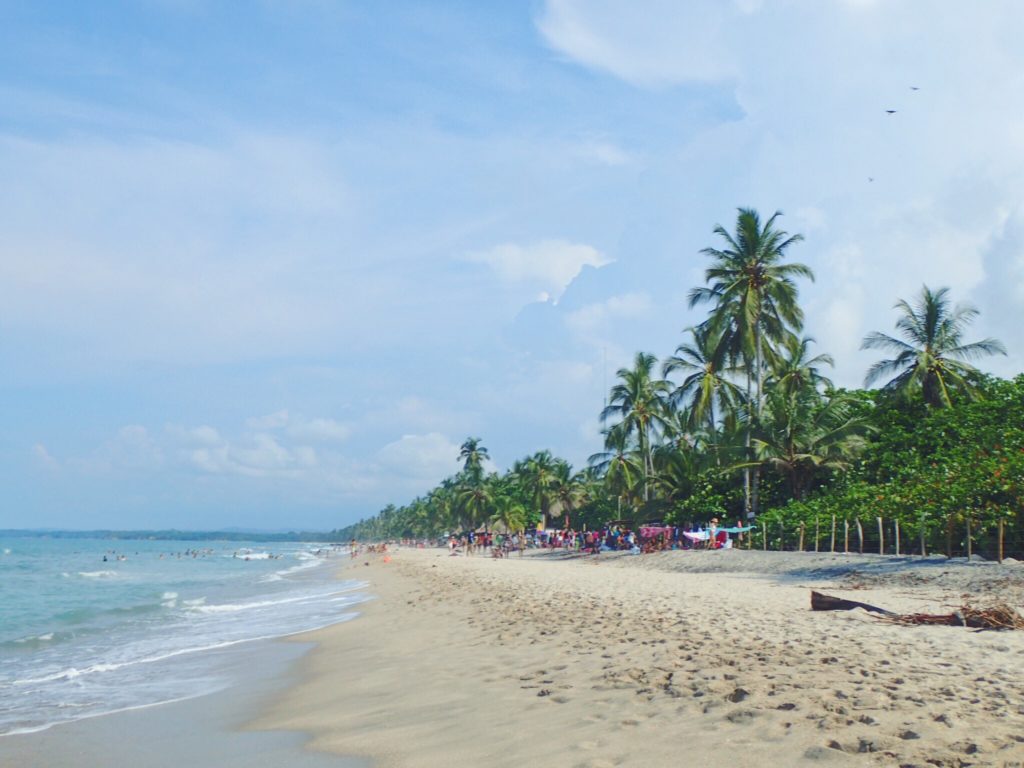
[548,264]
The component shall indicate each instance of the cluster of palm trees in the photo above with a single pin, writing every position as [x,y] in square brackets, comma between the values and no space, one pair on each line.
[744,395]
[751,397]
[536,487]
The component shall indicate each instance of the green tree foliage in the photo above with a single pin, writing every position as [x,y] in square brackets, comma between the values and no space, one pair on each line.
[932,356]
[753,417]
[933,470]
[754,297]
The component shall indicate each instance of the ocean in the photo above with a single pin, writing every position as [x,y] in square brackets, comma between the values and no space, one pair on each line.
[93,626]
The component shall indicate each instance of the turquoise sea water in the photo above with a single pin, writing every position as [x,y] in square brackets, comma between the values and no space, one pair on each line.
[156,621]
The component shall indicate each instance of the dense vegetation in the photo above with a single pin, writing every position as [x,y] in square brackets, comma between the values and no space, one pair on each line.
[741,422]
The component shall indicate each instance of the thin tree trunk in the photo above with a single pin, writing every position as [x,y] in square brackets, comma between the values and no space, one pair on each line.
[756,478]
[713,435]
[747,508]
[645,450]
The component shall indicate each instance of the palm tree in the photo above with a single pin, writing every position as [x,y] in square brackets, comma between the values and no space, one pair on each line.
[618,465]
[705,358]
[475,503]
[472,454]
[677,468]
[932,357]
[805,432]
[793,368]
[444,504]
[640,402]
[509,513]
[754,297]
[568,489]
[537,475]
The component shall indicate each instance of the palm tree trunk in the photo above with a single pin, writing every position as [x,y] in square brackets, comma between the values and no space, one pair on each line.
[712,434]
[747,446]
[644,451]
[755,480]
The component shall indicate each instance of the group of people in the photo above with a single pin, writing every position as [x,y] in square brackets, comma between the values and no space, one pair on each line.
[614,537]
[486,542]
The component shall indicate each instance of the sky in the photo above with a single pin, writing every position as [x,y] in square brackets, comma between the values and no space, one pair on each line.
[267,265]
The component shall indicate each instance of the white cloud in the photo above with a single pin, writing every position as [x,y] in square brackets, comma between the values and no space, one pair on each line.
[319,430]
[43,458]
[602,153]
[422,459]
[274,420]
[656,43]
[549,264]
[919,196]
[259,455]
[195,436]
[594,317]
[301,428]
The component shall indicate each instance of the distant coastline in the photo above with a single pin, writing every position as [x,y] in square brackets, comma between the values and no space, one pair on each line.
[171,535]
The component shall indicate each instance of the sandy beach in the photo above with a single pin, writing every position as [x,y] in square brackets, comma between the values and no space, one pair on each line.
[680,658]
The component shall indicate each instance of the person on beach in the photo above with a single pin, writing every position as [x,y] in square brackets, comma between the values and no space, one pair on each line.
[713,539]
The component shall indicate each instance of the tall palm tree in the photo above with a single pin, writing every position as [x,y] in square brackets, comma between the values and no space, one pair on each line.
[640,402]
[932,356]
[754,296]
[472,453]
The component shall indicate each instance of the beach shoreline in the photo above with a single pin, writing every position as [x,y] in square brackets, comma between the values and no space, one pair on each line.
[563,660]
[207,731]
[558,659]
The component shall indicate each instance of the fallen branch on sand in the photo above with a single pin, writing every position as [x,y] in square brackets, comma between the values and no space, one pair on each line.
[820,602]
[996,616]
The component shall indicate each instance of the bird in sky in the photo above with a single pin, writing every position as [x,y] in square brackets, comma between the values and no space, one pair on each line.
[890,111]
[914,88]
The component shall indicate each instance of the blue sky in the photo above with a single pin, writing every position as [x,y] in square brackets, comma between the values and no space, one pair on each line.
[269,265]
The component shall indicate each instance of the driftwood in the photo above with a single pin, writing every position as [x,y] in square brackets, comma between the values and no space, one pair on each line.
[820,602]
[997,616]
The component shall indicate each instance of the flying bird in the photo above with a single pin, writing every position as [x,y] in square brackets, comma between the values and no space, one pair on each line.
[914,88]
[890,111]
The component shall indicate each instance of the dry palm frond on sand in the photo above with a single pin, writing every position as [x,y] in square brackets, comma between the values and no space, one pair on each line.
[995,616]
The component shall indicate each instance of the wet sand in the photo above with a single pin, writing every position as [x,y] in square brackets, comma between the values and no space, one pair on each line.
[205,732]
